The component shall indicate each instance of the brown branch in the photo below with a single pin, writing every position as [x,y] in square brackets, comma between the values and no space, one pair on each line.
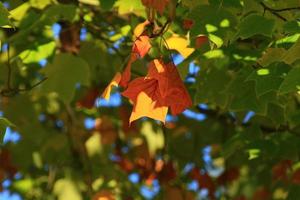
[163,29]
[274,11]
[284,9]
[10,91]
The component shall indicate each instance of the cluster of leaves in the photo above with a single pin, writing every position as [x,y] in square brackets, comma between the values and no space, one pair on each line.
[238,74]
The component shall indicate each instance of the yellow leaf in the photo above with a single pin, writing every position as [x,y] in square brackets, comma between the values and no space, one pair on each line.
[179,44]
[139,29]
[114,83]
[146,107]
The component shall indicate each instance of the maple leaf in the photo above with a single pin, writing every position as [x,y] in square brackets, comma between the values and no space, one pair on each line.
[160,89]
[126,75]
[141,45]
[114,83]
[158,5]
[146,99]
[140,48]
[140,28]
[171,86]
[179,44]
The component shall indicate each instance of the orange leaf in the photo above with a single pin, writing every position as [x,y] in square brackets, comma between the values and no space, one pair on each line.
[160,89]
[147,100]
[126,75]
[114,82]
[158,5]
[141,45]
[104,195]
[171,86]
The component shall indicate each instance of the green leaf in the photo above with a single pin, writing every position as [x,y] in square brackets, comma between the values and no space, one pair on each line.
[268,79]
[155,139]
[214,21]
[292,27]
[4,16]
[40,4]
[4,123]
[294,192]
[243,94]
[292,54]
[211,86]
[19,12]
[130,6]
[271,55]
[291,81]
[41,52]
[107,4]
[66,189]
[255,25]
[64,73]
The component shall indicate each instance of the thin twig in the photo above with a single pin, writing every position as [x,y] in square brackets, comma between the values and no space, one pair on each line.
[273,11]
[285,9]
[9,92]
[162,30]
[32,86]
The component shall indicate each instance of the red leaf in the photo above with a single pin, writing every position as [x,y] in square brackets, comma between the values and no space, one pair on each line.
[158,5]
[141,45]
[88,101]
[296,177]
[167,173]
[280,170]
[188,23]
[146,99]
[126,75]
[171,86]
[229,175]
[261,194]
[200,40]
[160,89]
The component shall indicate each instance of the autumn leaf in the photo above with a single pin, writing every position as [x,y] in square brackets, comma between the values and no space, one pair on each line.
[88,100]
[160,89]
[188,23]
[114,83]
[140,28]
[177,193]
[158,5]
[141,45]
[171,86]
[105,127]
[179,44]
[104,195]
[146,99]
[126,75]
[201,40]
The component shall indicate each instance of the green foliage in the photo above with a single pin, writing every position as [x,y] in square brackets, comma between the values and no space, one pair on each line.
[241,136]
[63,85]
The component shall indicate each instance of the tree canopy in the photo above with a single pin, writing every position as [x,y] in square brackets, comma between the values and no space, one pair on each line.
[150,99]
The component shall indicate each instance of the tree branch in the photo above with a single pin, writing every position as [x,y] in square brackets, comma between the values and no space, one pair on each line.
[274,11]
